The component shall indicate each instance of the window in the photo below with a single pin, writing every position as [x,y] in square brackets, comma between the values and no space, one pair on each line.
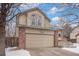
[33,19]
[33,22]
[39,21]
[36,20]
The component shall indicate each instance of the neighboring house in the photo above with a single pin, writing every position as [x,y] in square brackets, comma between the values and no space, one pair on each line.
[74,35]
[77,38]
[33,30]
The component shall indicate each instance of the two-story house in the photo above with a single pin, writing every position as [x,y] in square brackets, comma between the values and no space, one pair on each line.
[34,30]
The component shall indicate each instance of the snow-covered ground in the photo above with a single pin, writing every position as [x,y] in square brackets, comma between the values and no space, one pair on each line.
[75,50]
[19,52]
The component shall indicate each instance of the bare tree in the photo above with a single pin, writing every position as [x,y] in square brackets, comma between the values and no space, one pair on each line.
[66,31]
[73,6]
[64,24]
[8,11]
[5,11]
[67,28]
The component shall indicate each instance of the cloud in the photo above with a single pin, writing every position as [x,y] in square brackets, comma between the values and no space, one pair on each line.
[59,21]
[55,10]
[29,6]
[56,18]
[74,25]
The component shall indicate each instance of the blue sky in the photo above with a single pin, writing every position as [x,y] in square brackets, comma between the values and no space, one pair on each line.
[57,11]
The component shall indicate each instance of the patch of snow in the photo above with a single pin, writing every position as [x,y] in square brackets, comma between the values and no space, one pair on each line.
[75,50]
[19,52]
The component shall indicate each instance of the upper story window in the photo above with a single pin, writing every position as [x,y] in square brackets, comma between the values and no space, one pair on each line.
[36,20]
[39,21]
[33,20]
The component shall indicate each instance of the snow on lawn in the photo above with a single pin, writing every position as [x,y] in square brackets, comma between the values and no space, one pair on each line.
[75,50]
[19,52]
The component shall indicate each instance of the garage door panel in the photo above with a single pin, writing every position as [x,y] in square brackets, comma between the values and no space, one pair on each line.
[38,41]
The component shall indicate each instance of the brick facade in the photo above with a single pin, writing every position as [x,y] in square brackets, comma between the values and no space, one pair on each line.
[22,37]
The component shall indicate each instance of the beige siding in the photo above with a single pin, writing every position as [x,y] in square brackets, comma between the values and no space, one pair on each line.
[45,22]
[25,19]
[28,20]
[39,41]
[22,20]
[28,30]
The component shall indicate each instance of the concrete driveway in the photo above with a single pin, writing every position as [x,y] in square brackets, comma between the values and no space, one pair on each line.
[50,52]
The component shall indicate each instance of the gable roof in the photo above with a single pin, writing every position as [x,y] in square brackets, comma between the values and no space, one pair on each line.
[33,9]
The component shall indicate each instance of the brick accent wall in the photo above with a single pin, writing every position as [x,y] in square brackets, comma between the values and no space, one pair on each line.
[55,39]
[22,37]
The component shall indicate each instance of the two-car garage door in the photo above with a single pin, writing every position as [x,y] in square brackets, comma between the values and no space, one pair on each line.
[39,40]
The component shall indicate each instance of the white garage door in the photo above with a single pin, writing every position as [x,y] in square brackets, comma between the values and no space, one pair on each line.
[38,41]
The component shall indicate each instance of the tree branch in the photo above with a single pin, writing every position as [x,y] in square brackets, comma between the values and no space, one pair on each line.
[14,14]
